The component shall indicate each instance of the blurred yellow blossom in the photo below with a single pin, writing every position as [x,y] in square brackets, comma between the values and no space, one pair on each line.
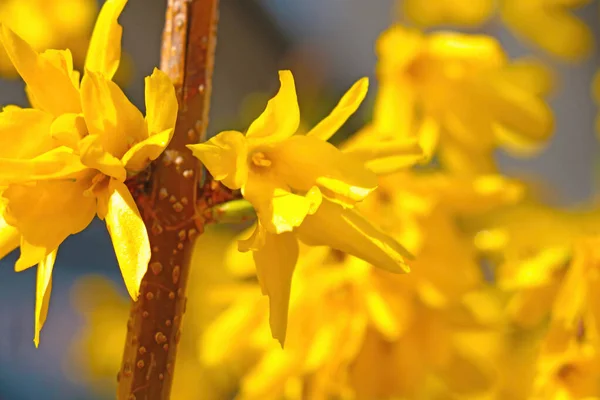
[302,187]
[464,90]
[551,25]
[448,12]
[82,141]
[45,25]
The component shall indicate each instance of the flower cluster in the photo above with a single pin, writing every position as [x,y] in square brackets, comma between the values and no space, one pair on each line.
[76,146]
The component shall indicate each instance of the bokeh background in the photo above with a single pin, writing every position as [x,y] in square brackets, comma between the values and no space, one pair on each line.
[328,44]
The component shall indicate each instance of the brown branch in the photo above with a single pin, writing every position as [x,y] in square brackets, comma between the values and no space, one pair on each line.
[169,210]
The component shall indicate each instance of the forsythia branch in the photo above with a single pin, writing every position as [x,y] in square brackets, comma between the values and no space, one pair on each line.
[154,326]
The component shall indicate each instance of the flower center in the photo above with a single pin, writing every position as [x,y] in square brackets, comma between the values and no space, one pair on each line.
[259,159]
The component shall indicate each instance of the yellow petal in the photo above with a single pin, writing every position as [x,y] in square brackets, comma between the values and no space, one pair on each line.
[225,158]
[104,52]
[139,156]
[443,12]
[347,231]
[46,212]
[109,114]
[30,255]
[275,263]
[59,163]
[303,161]
[161,102]
[9,238]
[256,240]
[50,85]
[518,110]
[389,156]
[129,236]
[43,287]
[342,111]
[278,209]
[394,111]
[282,115]
[68,130]
[94,156]
[30,126]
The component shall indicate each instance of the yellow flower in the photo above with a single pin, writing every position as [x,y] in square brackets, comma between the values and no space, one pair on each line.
[462,89]
[48,24]
[443,12]
[355,332]
[76,148]
[550,25]
[301,187]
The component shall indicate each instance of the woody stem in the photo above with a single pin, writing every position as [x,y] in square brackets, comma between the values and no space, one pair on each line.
[169,211]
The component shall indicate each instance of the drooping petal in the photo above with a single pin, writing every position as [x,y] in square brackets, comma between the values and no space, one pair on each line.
[278,209]
[43,287]
[30,126]
[9,238]
[50,85]
[129,236]
[46,212]
[59,163]
[30,255]
[342,111]
[347,231]
[161,102]
[303,161]
[282,115]
[225,158]
[68,130]
[104,52]
[109,114]
[139,156]
[93,155]
[275,263]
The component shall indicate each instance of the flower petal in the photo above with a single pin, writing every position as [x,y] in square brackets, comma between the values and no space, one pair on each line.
[59,163]
[93,155]
[139,156]
[393,154]
[43,287]
[50,85]
[109,114]
[46,212]
[303,161]
[104,52]
[347,231]
[129,236]
[342,111]
[32,128]
[161,102]
[275,263]
[281,118]
[278,209]
[68,129]
[9,238]
[225,158]
[30,255]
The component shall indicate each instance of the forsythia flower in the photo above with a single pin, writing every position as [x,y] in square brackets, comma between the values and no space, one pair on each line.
[464,89]
[301,187]
[48,24]
[76,148]
[441,12]
[550,25]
